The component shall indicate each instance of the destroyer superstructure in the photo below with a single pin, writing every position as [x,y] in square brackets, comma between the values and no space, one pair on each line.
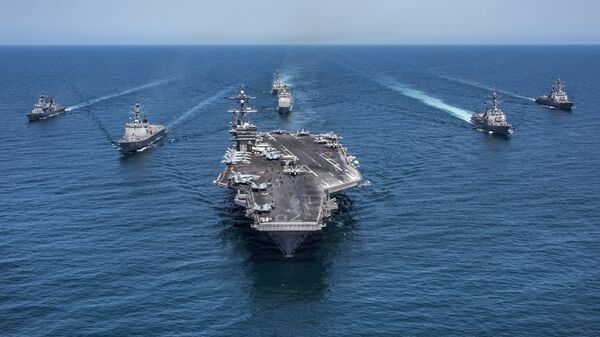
[277,84]
[557,98]
[140,134]
[285,180]
[492,119]
[285,103]
[45,108]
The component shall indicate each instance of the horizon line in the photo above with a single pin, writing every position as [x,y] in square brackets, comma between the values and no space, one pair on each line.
[287,44]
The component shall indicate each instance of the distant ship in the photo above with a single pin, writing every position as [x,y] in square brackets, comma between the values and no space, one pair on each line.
[557,98]
[139,133]
[492,119]
[284,100]
[277,85]
[45,108]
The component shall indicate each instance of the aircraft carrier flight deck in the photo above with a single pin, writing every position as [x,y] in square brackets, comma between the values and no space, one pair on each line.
[284,179]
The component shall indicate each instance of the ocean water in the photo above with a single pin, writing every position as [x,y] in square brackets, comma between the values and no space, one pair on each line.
[461,232]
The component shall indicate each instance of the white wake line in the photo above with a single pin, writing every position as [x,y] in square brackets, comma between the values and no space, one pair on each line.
[422,97]
[391,83]
[286,77]
[485,87]
[122,93]
[191,111]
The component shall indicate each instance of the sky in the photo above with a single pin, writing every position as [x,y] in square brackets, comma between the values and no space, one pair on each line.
[60,22]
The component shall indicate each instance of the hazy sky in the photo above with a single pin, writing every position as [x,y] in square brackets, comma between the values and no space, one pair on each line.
[298,21]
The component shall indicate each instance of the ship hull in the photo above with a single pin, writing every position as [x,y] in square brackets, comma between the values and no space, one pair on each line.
[288,241]
[38,117]
[128,147]
[568,106]
[500,130]
[299,204]
[284,110]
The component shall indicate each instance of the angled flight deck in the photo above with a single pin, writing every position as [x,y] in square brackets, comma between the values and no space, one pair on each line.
[284,179]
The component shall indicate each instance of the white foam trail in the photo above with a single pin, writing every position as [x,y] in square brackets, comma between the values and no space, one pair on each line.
[424,98]
[391,83]
[286,78]
[485,87]
[122,93]
[198,106]
[287,74]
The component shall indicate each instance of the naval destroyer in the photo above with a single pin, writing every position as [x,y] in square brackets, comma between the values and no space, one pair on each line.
[285,180]
[140,134]
[557,98]
[492,119]
[277,85]
[45,108]
[285,103]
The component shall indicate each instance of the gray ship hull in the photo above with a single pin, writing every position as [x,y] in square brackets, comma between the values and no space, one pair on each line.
[288,242]
[500,130]
[128,147]
[300,204]
[567,106]
[284,110]
[41,116]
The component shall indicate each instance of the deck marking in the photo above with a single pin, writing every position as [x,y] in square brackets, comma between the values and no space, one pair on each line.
[331,162]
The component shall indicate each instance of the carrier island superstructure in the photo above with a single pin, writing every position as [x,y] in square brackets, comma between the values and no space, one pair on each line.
[285,180]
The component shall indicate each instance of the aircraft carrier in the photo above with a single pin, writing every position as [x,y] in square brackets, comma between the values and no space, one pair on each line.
[285,180]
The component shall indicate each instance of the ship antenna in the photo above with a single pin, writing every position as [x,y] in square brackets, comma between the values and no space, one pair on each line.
[495,100]
[138,109]
[239,116]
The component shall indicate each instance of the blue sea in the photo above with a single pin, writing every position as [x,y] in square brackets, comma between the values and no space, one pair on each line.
[461,233]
